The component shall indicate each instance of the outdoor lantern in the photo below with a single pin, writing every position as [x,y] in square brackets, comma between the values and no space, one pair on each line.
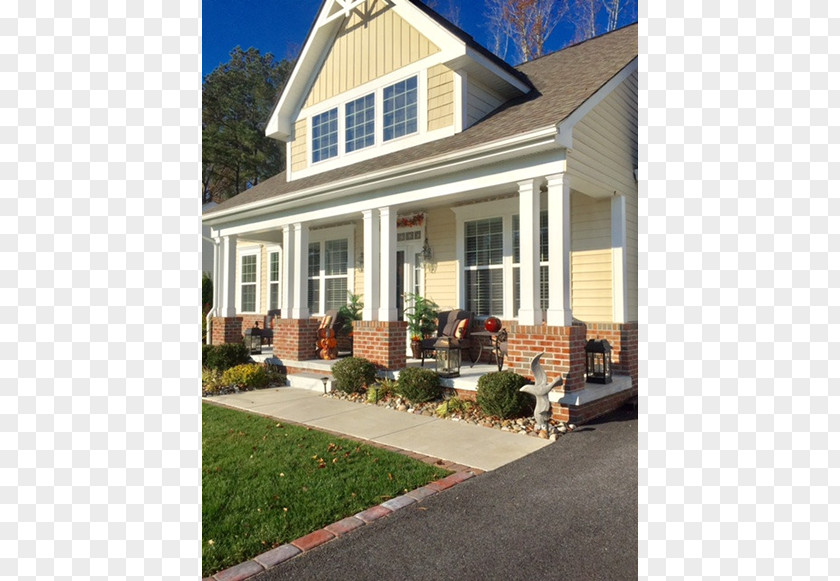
[253,339]
[325,381]
[598,361]
[447,358]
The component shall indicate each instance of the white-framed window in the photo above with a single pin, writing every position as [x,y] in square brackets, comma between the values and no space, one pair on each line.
[325,135]
[484,266]
[249,276]
[399,107]
[360,123]
[274,279]
[543,262]
[330,269]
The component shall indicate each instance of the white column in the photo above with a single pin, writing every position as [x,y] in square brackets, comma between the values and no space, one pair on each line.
[619,253]
[559,252]
[529,253]
[227,283]
[371,249]
[387,265]
[300,261]
[287,277]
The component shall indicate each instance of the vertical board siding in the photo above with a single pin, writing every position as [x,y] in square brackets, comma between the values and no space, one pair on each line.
[480,103]
[441,276]
[373,42]
[591,258]
[299,158]
[441,97]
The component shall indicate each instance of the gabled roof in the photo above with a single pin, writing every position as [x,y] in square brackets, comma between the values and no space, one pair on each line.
[562,82]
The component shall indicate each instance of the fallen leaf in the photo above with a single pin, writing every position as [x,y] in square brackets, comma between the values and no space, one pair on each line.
[390,476]
[335,460]
[282,475]
[210,542]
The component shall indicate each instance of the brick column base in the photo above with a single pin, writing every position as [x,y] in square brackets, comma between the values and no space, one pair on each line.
[294,339]
[226,330]
[624,340]
[563,347]
[381,342]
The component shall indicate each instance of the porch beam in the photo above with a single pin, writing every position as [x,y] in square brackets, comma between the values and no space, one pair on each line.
[228,280]
[300,251]
[559,251]
[529,257]
[370,219]
[387,264]
[619,253]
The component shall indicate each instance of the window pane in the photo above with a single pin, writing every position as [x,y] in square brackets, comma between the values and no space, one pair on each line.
[483,242]
[485,289]
[314,259]
[274,296]
[325,135]
[335,262]
[249,298]
[544,287]
[336,291]
[400,109]
[517,292]
[314,295]
[516,240]
[359,122]
[544,236]
[274,267]
[249,268]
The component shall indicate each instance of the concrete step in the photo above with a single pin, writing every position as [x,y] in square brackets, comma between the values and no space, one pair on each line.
[311,381]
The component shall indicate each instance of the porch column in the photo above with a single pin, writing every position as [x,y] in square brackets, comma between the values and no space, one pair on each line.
[227,283]
[300,261]
[286,288]
[559,252]
[371,250]
[530,312]
[387,265]
[619,253]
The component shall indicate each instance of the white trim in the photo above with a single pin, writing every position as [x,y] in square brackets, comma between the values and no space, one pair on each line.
[287,287]
[559,251]
[530,311]
[241,253]
[228,276]
[269,250]
[300,247]
[619,263]
[387,264]
[370,239]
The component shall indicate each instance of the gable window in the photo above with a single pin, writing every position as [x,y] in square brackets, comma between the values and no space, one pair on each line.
[329,278]
[484,269]
[360,121]
[248,284]
[274,280]
[325,135]
[400,109]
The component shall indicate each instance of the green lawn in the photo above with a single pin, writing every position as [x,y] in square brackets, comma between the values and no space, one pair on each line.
[265,483]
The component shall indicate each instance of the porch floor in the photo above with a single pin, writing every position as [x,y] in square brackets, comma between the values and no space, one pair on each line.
[468,381]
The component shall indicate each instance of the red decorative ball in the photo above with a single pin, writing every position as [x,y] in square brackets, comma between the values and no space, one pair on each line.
[492,324]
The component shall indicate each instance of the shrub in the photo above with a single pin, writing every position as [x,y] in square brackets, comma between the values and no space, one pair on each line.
[383,388]
[498,394]
[248,375]
[418,385]
[453,405]
[211,380]
[353,374]
[225,356]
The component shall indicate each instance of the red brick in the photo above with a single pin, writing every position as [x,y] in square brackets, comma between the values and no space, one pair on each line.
[374,513]
[313,540]
[346,525]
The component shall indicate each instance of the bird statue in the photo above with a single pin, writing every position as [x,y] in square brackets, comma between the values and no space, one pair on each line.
[540,389]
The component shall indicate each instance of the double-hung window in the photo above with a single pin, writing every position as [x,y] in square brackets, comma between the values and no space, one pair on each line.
[399,105]
[248,283]
[274,280]
[328,275]
[484,268]
[359,123]
[543,263]
[325,135]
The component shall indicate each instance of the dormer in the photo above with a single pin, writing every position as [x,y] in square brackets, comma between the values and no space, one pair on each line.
[379,76]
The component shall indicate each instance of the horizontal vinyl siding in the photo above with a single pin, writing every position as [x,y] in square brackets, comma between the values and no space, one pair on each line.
[441,97]
[591,259]
[299,159]
[605,141]
[367,48]
[480,103]
[441,276]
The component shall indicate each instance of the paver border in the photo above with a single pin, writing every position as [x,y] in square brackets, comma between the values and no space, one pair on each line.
[274,557]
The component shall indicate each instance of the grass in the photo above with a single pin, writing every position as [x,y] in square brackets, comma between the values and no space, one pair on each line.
[265,483]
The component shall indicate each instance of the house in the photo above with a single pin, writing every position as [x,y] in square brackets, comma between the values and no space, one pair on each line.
[420,162]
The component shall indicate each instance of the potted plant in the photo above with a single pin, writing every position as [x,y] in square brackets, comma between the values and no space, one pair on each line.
[421,315]
[350,312]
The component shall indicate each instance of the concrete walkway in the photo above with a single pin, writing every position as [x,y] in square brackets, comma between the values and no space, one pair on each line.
[460,443]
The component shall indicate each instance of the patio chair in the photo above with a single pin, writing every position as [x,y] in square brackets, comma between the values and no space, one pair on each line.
[454,325]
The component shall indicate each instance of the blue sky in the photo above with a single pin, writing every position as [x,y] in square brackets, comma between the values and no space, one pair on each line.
[281,26]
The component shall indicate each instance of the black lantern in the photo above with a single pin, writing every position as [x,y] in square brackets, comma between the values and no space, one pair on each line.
[447,358]
[598,361]
[253,339]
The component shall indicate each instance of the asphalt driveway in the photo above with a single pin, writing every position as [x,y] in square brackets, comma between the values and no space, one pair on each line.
[566,511]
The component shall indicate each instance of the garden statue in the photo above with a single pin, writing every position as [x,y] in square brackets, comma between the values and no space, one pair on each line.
[540,389]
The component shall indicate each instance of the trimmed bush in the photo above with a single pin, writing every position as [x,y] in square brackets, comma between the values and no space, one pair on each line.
[225,356]
[246,376]
[353,374]
[211,380]
[419,385]
[498,394]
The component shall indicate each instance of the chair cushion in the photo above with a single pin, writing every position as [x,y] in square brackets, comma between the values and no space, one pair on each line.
[461,329]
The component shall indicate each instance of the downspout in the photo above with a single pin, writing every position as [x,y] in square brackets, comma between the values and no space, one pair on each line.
[212,312]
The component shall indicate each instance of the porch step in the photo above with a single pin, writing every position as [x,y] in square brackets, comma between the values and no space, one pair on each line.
[311,381]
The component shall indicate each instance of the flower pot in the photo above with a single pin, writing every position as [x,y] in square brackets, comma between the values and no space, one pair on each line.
[415,348]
